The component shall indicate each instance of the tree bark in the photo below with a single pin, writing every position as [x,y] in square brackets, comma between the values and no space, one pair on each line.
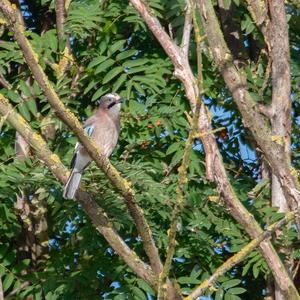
[213,157]
[277,38]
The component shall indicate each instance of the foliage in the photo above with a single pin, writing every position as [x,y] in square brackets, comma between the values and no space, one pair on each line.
[114,51]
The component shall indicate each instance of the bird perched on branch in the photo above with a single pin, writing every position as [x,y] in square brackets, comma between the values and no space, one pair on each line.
[104,128]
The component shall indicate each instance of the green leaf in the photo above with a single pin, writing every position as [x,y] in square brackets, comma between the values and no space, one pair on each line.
[246,269]
[96,61]
[24,88]
[116,46]
[237,291]
[138,293]
[135,63]
[50,39]
[111,74]
[137,69]
[188,280]
[120,81]
[128,89]
[3,250]
[104,66]
[100,92]
[126,54]
[229,296]
[250,27]
[144,286]
[9,278]
[219,294]
[227,4]
[136,107]
[255,269]
[90,86]
[2,270]
[21,265]
[230,283]
[139,88]
[174,147]
[31,105]
[24,111]
[12,95]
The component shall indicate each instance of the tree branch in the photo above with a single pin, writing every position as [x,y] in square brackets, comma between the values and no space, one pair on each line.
[61,7]
[182,180]
[60,20]
[96,214]
[236,83]
[258,11]
[93,150]
[185,43]
[277,36]
[241,255]
[212,154]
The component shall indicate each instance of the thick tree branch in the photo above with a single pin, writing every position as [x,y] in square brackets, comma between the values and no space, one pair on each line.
[213,156]
[236,82]
[96,214]
[69,118]
[241,255]
[277,36]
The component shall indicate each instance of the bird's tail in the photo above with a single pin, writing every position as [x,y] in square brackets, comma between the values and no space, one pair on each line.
[72,185]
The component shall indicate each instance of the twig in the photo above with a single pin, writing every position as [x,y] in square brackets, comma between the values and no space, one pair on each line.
[241,255]
[182,180]
[198,39]
[96,214]
[123,185]
[187,29]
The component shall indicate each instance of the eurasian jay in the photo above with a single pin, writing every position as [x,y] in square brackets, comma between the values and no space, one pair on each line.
[104,128]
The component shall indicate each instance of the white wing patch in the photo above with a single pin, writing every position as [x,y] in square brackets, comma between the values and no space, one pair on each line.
[89,129]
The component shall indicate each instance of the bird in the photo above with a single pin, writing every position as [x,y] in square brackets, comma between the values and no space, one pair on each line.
[104,128]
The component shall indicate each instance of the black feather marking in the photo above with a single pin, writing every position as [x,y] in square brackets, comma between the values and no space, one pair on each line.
[111,105]
[72,164]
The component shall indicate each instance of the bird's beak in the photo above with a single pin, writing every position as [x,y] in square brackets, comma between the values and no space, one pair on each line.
[120,100]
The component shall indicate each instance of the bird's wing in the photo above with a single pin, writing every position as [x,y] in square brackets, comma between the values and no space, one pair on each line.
[74,162]
[89,130]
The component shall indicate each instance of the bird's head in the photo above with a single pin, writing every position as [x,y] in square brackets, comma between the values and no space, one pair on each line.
[111,102]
